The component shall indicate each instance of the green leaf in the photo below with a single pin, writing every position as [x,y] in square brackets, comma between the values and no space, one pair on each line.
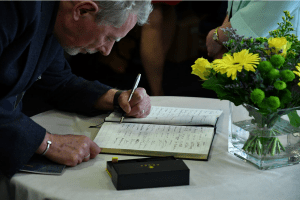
[211,83]
[294,118]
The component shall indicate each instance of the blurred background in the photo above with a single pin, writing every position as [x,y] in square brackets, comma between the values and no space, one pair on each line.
[180,26]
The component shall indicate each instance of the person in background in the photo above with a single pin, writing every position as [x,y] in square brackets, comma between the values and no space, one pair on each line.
[251,18]
[33,38]
[149,43]
[156,39]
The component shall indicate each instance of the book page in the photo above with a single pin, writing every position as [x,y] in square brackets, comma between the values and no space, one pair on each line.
[173,116]
[150,137]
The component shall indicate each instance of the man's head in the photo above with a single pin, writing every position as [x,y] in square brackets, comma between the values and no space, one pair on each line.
[92,26]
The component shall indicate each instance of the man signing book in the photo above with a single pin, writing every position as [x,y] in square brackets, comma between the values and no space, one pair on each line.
[33,38]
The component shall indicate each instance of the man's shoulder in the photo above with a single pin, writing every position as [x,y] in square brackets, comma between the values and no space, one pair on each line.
[23,10]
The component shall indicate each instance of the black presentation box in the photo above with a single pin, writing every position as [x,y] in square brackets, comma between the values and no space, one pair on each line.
[148,173]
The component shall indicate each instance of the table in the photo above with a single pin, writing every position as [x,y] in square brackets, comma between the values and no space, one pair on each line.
[224,176]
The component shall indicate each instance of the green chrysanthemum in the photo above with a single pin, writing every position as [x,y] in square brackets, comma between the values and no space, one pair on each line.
[265,66]
[287,75]
[285,97]
[257,96]
[273,102]
[273,74]
[280,85]
[277,60]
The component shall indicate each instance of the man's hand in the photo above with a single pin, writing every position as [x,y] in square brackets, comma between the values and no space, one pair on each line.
[213,47]
[139,105]
[69,150]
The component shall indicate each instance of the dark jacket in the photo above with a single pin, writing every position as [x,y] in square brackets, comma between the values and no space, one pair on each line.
[28,52]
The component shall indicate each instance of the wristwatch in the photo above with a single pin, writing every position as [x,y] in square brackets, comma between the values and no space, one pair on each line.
[116,102]
[215,35]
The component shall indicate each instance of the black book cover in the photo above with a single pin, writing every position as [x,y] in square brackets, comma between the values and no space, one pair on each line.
[41,165]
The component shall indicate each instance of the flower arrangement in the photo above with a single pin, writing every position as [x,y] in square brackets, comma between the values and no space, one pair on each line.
[258,72]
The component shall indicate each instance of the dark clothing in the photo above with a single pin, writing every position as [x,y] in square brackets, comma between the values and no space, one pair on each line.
[29,51]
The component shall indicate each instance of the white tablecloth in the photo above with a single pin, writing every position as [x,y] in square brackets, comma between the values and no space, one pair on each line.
[224,176]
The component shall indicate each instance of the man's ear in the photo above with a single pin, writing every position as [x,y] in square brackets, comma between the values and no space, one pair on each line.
[81,9]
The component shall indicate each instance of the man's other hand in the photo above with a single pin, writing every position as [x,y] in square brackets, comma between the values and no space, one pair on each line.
[69,150]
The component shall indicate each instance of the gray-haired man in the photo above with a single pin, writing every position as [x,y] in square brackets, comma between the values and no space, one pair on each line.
[33,37]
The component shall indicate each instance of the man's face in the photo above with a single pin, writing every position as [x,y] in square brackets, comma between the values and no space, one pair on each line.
[89,37]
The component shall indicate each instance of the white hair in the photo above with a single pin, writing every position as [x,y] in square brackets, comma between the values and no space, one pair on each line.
[115,13]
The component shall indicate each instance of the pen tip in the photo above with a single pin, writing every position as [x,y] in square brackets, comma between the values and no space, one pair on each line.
[122,118]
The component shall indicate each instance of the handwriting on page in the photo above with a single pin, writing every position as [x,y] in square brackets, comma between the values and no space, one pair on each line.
[149,137]
[175,116]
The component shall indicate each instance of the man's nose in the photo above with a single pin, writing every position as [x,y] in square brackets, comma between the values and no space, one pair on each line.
[106,49]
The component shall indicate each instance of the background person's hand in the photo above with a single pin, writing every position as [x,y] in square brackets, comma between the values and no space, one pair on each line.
[213,47]
[219,54]
[139,106]
[71,150]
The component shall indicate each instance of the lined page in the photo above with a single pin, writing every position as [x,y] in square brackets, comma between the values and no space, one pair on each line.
[173,116]
[150,137]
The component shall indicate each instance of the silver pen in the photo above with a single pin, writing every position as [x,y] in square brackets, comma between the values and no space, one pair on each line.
[135,85]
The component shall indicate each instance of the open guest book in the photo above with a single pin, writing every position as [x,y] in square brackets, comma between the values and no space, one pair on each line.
[167,131]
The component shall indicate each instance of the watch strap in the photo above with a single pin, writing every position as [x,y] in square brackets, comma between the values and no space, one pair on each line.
[116,100]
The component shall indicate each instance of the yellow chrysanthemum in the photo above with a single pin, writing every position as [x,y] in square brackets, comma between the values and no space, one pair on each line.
[232,64]
[201,68]
[279,43]
[297,72]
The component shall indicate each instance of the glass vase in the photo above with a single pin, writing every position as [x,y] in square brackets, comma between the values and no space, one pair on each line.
[267,141]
